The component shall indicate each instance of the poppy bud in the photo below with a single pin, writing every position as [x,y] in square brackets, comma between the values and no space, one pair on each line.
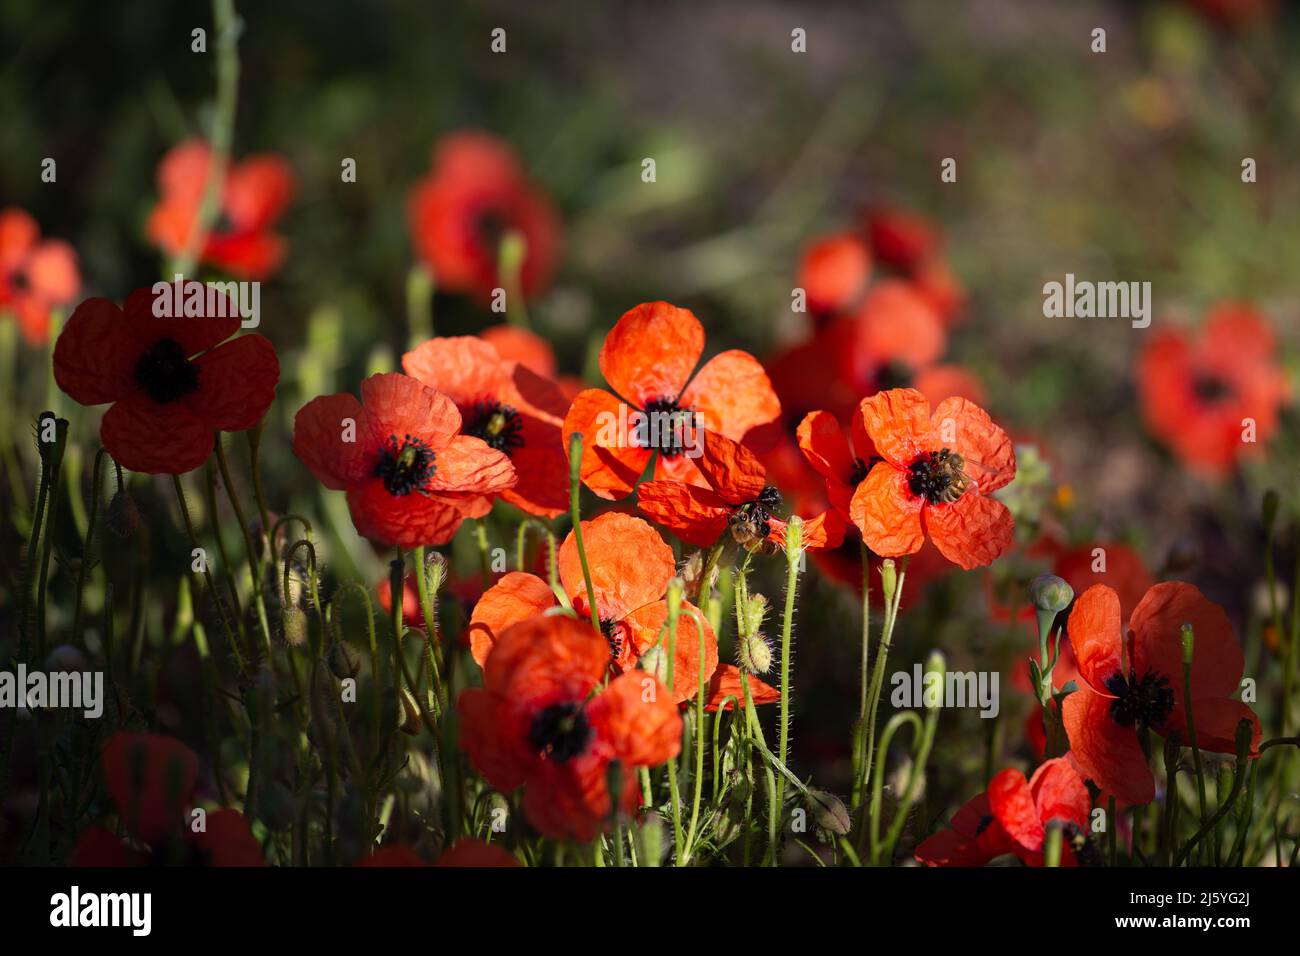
[888,579]
[344,660]
[755,654]
[793,538]
[408,714]
[1050,593]
[934,664]
[755,611]
[123,517]
[829,812]
[295,626]
[1188,639]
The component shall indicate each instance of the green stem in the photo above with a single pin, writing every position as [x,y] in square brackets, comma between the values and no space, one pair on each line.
[231,639]
[96,483]
[575,485]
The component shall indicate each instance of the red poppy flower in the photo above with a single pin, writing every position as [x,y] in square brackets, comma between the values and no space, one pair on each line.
[1014,817]
[935,479]
[738,497]
[410,475]
[647,359]
[460,212]
[512,409]
[538,722]
[1134,679]
[172,381]
[225,840]
[150,778]
[1124,570]
[1197,390]
[254,195]
[834,271]
[35,277]
[475,853]
[630,569]
[395,854]
[901,239]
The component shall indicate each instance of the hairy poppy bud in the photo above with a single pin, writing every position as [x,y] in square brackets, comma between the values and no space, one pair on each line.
[344,660]
[755,610]
[829,812]
[888,579]
[295,626]
[755,653]
[123,517]
[1050,593]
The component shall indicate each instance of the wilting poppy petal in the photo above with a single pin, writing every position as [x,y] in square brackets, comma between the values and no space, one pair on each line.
[151,778]
[514,598]
[651,351]
[611,463]
[888,516]
[732,395]
[236,383]
[971,532]
[321,430]
[1217,660]
[696,515]
[144,436]
[639,720]
[630,565]
[1095,630]
[1106,751]
[726,684]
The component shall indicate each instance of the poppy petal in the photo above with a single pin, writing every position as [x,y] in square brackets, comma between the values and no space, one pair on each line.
[898,423]
[402,521]
[648,627]
[464,368]
[972,531]
[144,436]
[470,466]
[886,513]
[732,394]
[635,716]
[503,766]
[548,655]
[1012,803]
[257,191]
[696,515]
[967,428]
[151,778]
[726,684]
[731,469]
[320,432]
[398,405]
[154,314]
[52,272]
[236,383]
[1216,720]
[630,565]
[1060,794]
[96,354]
[611,463]
[514,598]
[1095,630]
[822,441]
[1106,751]
[1217,660]
[651,351]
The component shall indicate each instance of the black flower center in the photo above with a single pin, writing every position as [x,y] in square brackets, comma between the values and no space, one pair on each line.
[405,465]
[862,468]
[1147,701]
[1210,388]
[560,732]
[499,425]
[668,426]
[894,375]
[1079,840]
[490,228]
[609,627]
[937,476]
[165,373]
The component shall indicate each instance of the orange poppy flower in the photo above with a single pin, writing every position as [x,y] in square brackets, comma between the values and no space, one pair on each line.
[459,213]
[1198,390]
[150,778]
[647,359]
[1013,817]
[1134,679]
[833,272]
[36,276]
[630,569]
[172,381]
[513,410]
[935,479]
[254,196]
[737,497]
[410,475]
[539,722]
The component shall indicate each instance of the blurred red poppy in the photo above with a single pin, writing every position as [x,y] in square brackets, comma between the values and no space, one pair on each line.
[36,276]
[459,214]
[173,381]
[253,197]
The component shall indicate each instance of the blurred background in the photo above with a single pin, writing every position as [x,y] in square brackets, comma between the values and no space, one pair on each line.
[1123,165]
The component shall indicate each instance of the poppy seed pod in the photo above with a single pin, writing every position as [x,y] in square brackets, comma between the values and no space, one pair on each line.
[1050,593]
[123,516]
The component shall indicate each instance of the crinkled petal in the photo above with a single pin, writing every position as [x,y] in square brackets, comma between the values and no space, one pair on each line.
[648,626]
[898,423]
[514,598]
[321,430]
[972,531]
[630,565]
[886,513]
[144,436]
[732,394]
[470,466]
[611,463]
[402,521]
[399,405]
[637,718]
[725,684]
[1096,630]
[696,515]
[236,383]
[1106,752]
[651,352]
[96,354]
[990,457]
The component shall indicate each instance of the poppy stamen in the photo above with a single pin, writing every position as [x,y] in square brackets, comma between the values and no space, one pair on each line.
[609,627]
[165,373]
[498,424]
[405,465]
[669,425]
[938,476]
[1147,701]
[1210,388]
[561,731]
